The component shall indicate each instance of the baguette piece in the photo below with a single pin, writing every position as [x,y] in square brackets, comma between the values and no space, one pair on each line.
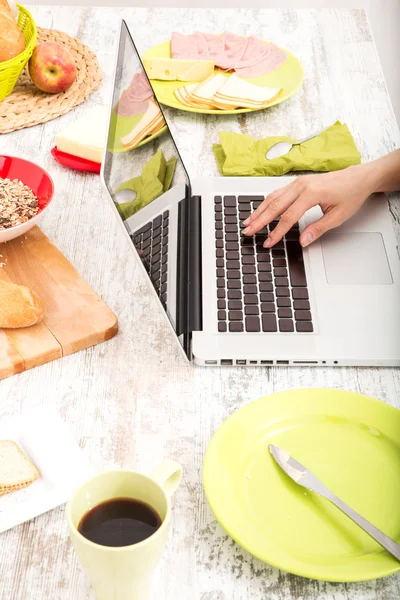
[12,41]
[19,306]
[16,470]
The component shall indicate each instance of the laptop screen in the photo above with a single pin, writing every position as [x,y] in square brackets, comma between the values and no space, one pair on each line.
[147,180]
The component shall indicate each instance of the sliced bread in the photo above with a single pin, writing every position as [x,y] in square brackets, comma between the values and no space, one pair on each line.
[16,470]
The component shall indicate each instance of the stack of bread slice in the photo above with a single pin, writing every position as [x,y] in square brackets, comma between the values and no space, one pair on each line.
[16,470]
[151,122]
[226,93]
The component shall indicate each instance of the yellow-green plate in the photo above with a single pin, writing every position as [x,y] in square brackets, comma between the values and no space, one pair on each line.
[121,126]
[350,441]
[289,77]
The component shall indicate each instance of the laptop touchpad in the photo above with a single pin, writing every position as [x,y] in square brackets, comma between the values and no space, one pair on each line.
[355,259]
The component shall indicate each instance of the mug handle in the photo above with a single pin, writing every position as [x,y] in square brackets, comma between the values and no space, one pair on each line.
[168,475]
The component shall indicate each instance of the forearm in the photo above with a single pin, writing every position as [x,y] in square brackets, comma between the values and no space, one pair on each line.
[384,173]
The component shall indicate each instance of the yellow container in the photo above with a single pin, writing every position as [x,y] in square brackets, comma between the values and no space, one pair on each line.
[10,70]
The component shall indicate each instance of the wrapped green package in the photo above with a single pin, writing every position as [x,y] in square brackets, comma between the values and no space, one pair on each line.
[240,155]
[156,178]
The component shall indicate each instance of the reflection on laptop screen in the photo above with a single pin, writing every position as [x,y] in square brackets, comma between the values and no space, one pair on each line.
[146,178]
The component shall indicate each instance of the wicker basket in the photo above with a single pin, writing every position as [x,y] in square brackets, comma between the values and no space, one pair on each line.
[10,70]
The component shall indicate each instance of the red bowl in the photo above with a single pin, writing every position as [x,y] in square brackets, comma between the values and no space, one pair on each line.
[35,178]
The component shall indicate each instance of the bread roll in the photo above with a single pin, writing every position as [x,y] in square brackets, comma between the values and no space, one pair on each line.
[19,306]
[12,41]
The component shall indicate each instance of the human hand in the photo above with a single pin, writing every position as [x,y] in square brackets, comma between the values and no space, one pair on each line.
[339,194]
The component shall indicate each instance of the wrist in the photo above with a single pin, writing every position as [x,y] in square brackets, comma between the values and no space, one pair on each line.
[368,177]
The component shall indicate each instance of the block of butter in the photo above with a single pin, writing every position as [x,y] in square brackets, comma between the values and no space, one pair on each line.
[85,137]
[176,69]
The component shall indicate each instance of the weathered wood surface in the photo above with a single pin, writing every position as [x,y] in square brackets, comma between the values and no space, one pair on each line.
[134,400]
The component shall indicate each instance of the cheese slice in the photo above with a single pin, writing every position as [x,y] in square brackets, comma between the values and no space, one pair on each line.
[86,136]
[184,96]
[149,119]
[205,91]
[236,88]
[173,69]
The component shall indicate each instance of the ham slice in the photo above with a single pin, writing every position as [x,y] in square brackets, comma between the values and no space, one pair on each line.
[254,52]
[192,46]
[216,47]
[135,99]
[273,59]
[235,47]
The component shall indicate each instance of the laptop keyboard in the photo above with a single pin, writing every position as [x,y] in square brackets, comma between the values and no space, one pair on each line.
[151,242]
[258,289]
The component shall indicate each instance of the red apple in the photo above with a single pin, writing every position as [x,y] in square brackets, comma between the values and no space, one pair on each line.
[52,68]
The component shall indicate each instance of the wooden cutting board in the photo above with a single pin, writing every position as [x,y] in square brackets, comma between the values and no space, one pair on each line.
[75,317]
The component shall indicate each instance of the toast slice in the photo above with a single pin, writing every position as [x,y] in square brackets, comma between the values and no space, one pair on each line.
[16,470]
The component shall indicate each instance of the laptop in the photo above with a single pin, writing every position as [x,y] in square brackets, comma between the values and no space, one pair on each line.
[228,300]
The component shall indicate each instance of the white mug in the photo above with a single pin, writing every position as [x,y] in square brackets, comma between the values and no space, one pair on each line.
[124,573]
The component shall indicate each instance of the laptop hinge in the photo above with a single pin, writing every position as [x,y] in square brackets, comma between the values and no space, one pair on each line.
[195,296]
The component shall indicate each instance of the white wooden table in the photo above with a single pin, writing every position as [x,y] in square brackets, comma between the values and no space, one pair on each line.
[134,400]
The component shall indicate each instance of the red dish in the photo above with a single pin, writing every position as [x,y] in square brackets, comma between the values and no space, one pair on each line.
[74,162]
[31,175]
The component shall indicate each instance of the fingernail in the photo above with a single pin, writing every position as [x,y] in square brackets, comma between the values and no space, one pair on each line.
[306,239]
[246,231]
[267,243]
[246,222]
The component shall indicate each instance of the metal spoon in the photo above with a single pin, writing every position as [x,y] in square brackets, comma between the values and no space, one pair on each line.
[281,148]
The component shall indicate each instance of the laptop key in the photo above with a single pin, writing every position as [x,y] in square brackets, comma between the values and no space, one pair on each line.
[219,235]
[264,257]
[218,208]
[267,297]
[279,262]
[282,292]
[250,299]
[269,324]
[220,283]
[286,325]
[248,259]
[266,267]
[220,262]
[253,324]
[247,250]
[233,274]
[235,326]
[249,270]
[232,237]
[250,289]
[300,293]
[296,264]
[250,309]
[233,264]
[221,293]
[285,313]
[267,307]
[218,217]
[283,301]
[231,220]
[220,272]
[217,199]
[232,246]
[266,286]
[251,199]
[234,294]
[222,304]
[302,315]
[265,276]
[219,226]
[235,315]
[234,284]
[301,305]
[222,327]
[222,315]
[235,305]
[230,210]
[282,282]
[280,272]
[232,256]
[219,253]
[252,279]
[304,327]
[229,200]
[231,228]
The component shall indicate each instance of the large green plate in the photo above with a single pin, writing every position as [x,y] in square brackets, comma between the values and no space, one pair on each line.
[289,77]
[350,441]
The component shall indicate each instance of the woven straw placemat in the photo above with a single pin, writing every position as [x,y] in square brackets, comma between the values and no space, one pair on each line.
[27,106]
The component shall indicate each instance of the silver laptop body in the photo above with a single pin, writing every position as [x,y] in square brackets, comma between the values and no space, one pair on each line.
[228,300]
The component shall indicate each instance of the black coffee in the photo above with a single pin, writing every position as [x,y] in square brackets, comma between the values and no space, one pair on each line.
[119,522]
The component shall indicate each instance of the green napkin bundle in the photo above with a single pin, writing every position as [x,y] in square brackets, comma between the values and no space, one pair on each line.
[240,155]
[156,179]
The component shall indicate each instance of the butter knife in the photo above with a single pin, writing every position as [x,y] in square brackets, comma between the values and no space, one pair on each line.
[302,476]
